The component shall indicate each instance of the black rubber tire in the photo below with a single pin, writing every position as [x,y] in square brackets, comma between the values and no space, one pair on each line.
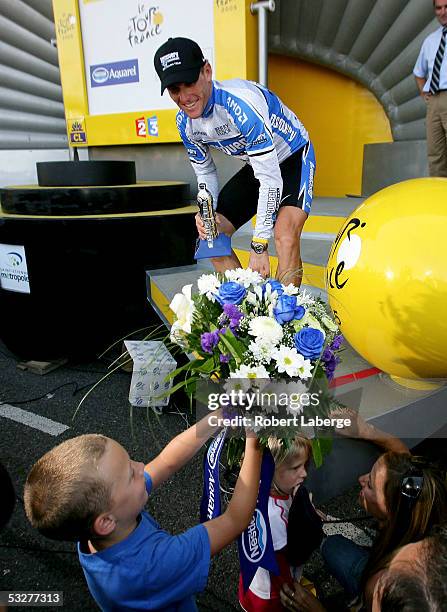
[81,173]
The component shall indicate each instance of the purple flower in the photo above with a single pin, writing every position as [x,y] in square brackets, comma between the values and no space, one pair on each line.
[208,341]
[233,314]
[224,358]
[330,362]
[337,342]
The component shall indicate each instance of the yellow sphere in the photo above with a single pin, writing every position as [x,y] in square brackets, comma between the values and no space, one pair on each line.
[387,279]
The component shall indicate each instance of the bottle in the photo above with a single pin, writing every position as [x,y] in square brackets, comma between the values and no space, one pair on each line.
[206,210]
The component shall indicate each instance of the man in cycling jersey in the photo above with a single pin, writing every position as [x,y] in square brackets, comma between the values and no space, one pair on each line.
[247,121]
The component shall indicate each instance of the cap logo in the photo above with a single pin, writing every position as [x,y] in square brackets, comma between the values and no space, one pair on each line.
[171,59]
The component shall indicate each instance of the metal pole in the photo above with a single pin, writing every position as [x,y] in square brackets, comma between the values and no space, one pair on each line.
[261,8]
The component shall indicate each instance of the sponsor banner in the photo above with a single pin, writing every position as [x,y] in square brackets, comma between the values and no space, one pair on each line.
[76,131]
[114,73]
[13,268]
[210,506]
[115,32]
[255,544]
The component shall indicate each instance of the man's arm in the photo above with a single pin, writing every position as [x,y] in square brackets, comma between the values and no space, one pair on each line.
[180,450]
[225,528]
[420,82]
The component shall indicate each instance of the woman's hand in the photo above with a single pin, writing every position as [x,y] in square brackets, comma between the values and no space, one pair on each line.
[299,599]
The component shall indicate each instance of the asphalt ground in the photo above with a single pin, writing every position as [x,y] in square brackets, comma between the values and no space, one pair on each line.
[30,562]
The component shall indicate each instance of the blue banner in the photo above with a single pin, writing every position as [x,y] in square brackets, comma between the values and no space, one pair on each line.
[210,504]
[255,544]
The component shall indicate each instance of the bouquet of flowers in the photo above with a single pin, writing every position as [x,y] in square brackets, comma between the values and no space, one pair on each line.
[241,326]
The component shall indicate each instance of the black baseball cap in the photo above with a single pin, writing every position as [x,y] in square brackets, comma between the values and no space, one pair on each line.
[178,60]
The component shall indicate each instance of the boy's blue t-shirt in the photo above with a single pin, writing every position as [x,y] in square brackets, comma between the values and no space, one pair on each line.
[150,569]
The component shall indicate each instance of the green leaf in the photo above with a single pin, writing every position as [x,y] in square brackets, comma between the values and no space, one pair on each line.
[321,447]
[316,452]
[176,387]
[207,366]
[233,346]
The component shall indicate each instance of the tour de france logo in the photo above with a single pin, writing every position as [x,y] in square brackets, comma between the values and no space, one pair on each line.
[254,538]
[65,26]
[347,248]
[145,25]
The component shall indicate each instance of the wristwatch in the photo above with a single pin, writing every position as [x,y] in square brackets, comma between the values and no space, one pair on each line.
[259,247]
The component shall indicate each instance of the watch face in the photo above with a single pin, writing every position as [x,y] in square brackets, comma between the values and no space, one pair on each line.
[258,248]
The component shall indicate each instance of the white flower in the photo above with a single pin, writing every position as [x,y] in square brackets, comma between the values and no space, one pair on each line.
[208,285]
[252,372]
[251,298]
[304,298]
[305,371]
[261,351]
[245,277]
[291,289]
[183,308]
[268,329]
[288,360]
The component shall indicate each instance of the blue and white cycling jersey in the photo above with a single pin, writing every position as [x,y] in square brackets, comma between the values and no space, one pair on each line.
[245,120]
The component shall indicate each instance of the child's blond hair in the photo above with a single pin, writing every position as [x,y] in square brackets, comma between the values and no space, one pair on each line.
[298,445]
[64,492]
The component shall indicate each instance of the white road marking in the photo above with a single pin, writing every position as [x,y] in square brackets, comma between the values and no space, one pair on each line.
[32,420]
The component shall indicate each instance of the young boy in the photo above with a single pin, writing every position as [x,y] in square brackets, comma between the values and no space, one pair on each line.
[263,595]
[88,490]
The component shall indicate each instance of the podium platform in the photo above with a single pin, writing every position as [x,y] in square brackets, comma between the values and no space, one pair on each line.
[86,270]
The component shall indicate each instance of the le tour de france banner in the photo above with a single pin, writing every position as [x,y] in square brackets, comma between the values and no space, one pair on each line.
[120,40]
[106,49]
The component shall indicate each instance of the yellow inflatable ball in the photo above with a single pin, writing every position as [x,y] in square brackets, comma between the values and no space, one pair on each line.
[386,279]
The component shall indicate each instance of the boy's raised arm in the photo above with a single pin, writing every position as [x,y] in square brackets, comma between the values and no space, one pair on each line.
[225,528]
[182,448]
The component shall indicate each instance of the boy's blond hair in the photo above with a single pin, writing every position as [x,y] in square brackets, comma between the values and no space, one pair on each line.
[297,446]
[64,493]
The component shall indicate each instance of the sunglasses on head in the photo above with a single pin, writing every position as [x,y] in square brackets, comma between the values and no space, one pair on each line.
[412,483]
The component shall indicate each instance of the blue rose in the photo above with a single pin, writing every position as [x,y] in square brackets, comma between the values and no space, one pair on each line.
[287,309]
[275,286]
[309,342]
[230,293]
[284,310]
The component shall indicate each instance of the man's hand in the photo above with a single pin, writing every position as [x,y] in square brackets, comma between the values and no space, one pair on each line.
[260,263]
[200,227]
[299,599]
[223,226]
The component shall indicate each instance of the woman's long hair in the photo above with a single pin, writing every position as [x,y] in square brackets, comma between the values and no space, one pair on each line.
[407,520]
